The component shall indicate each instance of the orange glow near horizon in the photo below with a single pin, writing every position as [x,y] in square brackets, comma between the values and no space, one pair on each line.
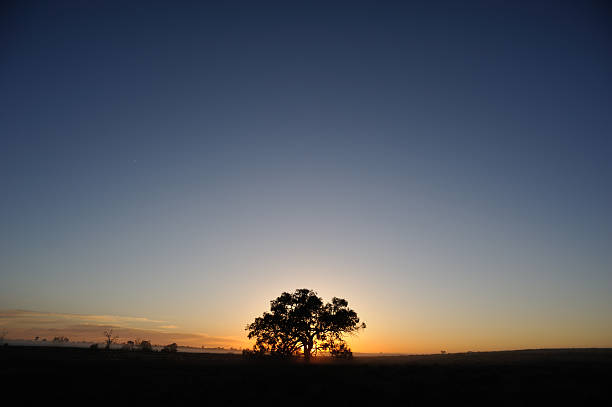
[375,339]
[396,323]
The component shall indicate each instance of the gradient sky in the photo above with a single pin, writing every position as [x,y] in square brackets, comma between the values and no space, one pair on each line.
[444,166]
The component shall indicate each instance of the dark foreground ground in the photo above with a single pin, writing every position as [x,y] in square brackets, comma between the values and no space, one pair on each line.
[81,376]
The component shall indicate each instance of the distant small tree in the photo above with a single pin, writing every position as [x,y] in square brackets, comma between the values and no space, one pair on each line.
[110,338]
[60,339]
[3,334]
[301,322]
[146,346]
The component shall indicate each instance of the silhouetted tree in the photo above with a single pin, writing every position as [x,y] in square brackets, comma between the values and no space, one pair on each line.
[145,346]
[3,335]
[109,338]
[302,322]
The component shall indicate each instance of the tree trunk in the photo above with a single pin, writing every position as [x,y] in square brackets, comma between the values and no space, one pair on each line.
[307,350]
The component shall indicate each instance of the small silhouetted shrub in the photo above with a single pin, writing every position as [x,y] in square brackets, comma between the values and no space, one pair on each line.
[252,354]
[93,346]
[146,346]
[341,351]
[262,354]
[170,348]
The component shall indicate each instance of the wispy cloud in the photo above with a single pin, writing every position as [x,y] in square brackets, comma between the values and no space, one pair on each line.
[31,315]
[24,324]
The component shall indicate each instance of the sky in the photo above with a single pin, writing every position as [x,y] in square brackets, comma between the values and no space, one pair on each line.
[443,166]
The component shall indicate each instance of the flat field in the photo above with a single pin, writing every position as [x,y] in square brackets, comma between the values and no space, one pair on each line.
[527,377]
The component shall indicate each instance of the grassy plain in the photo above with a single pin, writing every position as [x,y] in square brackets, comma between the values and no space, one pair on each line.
[528,377]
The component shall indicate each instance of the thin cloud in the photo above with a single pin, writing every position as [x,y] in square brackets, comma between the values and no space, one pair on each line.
[16,314]
[24,324]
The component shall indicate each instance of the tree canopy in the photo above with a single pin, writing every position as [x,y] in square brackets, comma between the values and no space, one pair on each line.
[301,322]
